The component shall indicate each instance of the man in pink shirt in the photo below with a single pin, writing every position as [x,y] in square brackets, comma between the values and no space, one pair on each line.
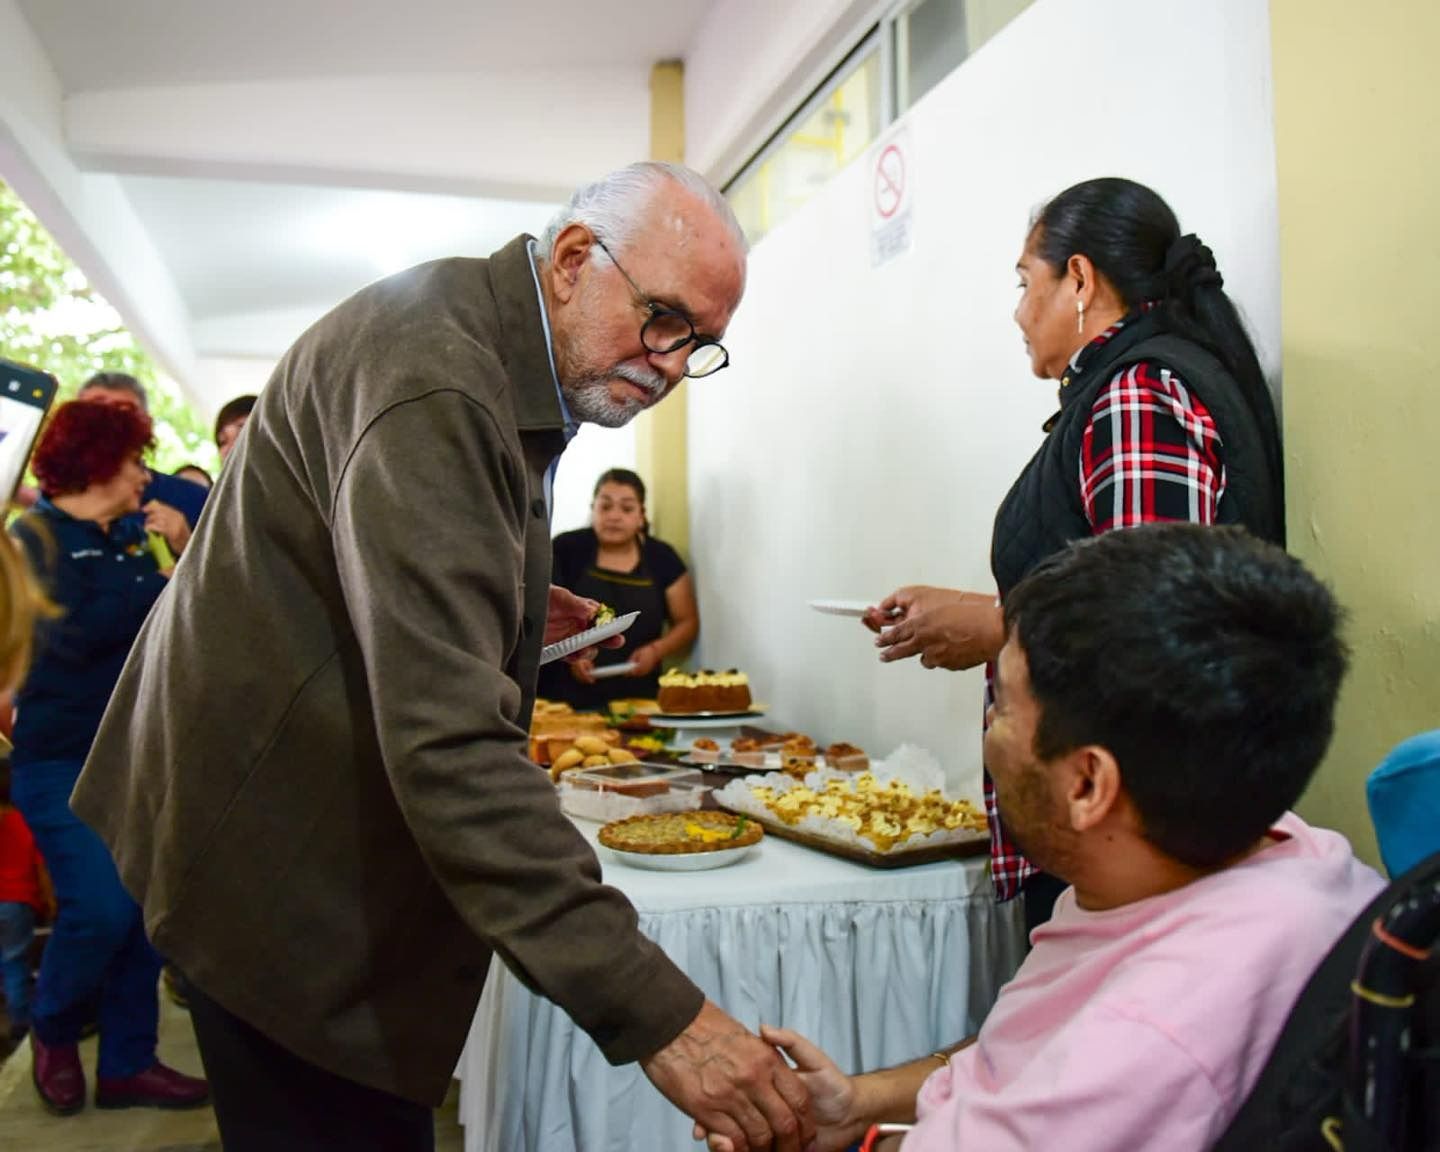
[1163,698]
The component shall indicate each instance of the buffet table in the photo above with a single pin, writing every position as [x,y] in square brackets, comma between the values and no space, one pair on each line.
[876,966]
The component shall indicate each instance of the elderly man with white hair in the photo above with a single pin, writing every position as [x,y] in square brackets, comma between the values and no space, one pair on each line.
[312,773]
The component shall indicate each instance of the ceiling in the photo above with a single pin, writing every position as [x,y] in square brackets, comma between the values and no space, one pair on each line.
[257,262]
[100,44]
[229,171]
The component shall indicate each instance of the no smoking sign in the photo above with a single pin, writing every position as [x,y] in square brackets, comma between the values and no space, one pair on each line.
[892,198]
[889,181]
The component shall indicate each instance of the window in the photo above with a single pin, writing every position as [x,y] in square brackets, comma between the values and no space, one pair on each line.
[912,49]
[934,37]
[836,124]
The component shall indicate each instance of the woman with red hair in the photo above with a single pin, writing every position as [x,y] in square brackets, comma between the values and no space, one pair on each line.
[98,569]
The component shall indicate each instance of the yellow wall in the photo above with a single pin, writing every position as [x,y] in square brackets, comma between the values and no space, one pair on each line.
[660,433]
[1357,134]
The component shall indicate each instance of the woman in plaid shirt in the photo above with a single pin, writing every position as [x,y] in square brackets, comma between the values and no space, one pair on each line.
[1164,415]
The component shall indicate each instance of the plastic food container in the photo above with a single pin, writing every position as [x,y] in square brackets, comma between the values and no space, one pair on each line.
[620,790]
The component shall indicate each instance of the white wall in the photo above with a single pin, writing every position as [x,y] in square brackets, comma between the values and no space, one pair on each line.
[221,378]
[874,418]
[593,451]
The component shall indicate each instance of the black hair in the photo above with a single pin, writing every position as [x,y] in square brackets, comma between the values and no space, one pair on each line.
[118,382]
[1133,238]
[209,480]
[1205,660]
[233,410]
[630,480]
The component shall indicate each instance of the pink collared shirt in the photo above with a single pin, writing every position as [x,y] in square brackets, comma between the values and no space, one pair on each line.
[1143,1027]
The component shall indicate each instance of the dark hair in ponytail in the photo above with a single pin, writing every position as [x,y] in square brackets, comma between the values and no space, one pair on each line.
[1133,238]
[628,479]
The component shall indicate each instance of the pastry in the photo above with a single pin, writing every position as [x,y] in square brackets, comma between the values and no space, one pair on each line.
[680,833]
[747,752]
[683,693]
[797,756]
[570,759]
[797,766]
[562,724]
[705,750]
[846,758]
[595,742]
[578,756]
[637,788]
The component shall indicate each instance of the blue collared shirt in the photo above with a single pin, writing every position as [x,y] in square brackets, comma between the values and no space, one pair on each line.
[104,583]
[572,425]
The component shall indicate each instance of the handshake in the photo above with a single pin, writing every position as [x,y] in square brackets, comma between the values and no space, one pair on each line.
[753,1100]
[740,1092]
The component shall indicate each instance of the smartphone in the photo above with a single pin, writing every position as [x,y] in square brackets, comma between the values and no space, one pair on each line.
[25,396]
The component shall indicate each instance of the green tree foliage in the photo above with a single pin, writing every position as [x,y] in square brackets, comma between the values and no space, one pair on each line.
[50,317]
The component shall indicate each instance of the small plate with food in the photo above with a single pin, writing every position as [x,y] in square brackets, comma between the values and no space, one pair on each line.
[601,630]
[681,841]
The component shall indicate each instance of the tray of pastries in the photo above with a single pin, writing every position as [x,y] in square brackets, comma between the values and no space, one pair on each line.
[793,753]
[562,739]
[884,821]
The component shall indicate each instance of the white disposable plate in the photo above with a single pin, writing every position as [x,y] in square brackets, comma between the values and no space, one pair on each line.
[562,648]
[681,861]
[608,670]
[841,607]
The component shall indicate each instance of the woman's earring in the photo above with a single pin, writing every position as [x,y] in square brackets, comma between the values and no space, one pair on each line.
[1079,316]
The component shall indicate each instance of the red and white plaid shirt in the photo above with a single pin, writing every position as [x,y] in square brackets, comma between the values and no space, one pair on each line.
[1151,452]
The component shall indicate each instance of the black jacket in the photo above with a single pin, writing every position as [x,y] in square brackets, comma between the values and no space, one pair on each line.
[1044,511]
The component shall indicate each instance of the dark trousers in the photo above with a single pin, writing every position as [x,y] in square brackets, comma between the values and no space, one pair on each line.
[98,948]
[1040,892]
[267,1099]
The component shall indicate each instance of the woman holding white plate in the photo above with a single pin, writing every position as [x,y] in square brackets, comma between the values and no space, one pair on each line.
[1164,414]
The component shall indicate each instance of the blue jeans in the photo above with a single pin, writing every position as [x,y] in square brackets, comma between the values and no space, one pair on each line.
[98,945]
[17,929]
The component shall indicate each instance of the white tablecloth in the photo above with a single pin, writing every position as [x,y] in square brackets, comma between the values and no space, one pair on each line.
[876,966]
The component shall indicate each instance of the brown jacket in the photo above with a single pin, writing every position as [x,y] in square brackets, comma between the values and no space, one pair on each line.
[312,772]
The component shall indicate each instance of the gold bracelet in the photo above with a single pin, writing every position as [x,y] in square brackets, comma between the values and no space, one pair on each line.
[942,1057]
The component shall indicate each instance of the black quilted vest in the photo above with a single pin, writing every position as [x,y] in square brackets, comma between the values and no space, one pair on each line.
[1043,511]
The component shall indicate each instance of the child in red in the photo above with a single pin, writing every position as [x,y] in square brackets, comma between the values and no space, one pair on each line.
[23,898]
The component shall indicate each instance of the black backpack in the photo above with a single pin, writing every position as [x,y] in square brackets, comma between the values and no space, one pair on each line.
[1357,1065]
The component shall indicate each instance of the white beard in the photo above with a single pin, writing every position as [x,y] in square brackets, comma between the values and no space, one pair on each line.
[590,400]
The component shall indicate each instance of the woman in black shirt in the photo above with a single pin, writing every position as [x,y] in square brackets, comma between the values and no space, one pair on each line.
[617,562]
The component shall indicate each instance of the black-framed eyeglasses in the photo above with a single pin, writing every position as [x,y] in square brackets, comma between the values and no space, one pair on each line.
[669,330]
